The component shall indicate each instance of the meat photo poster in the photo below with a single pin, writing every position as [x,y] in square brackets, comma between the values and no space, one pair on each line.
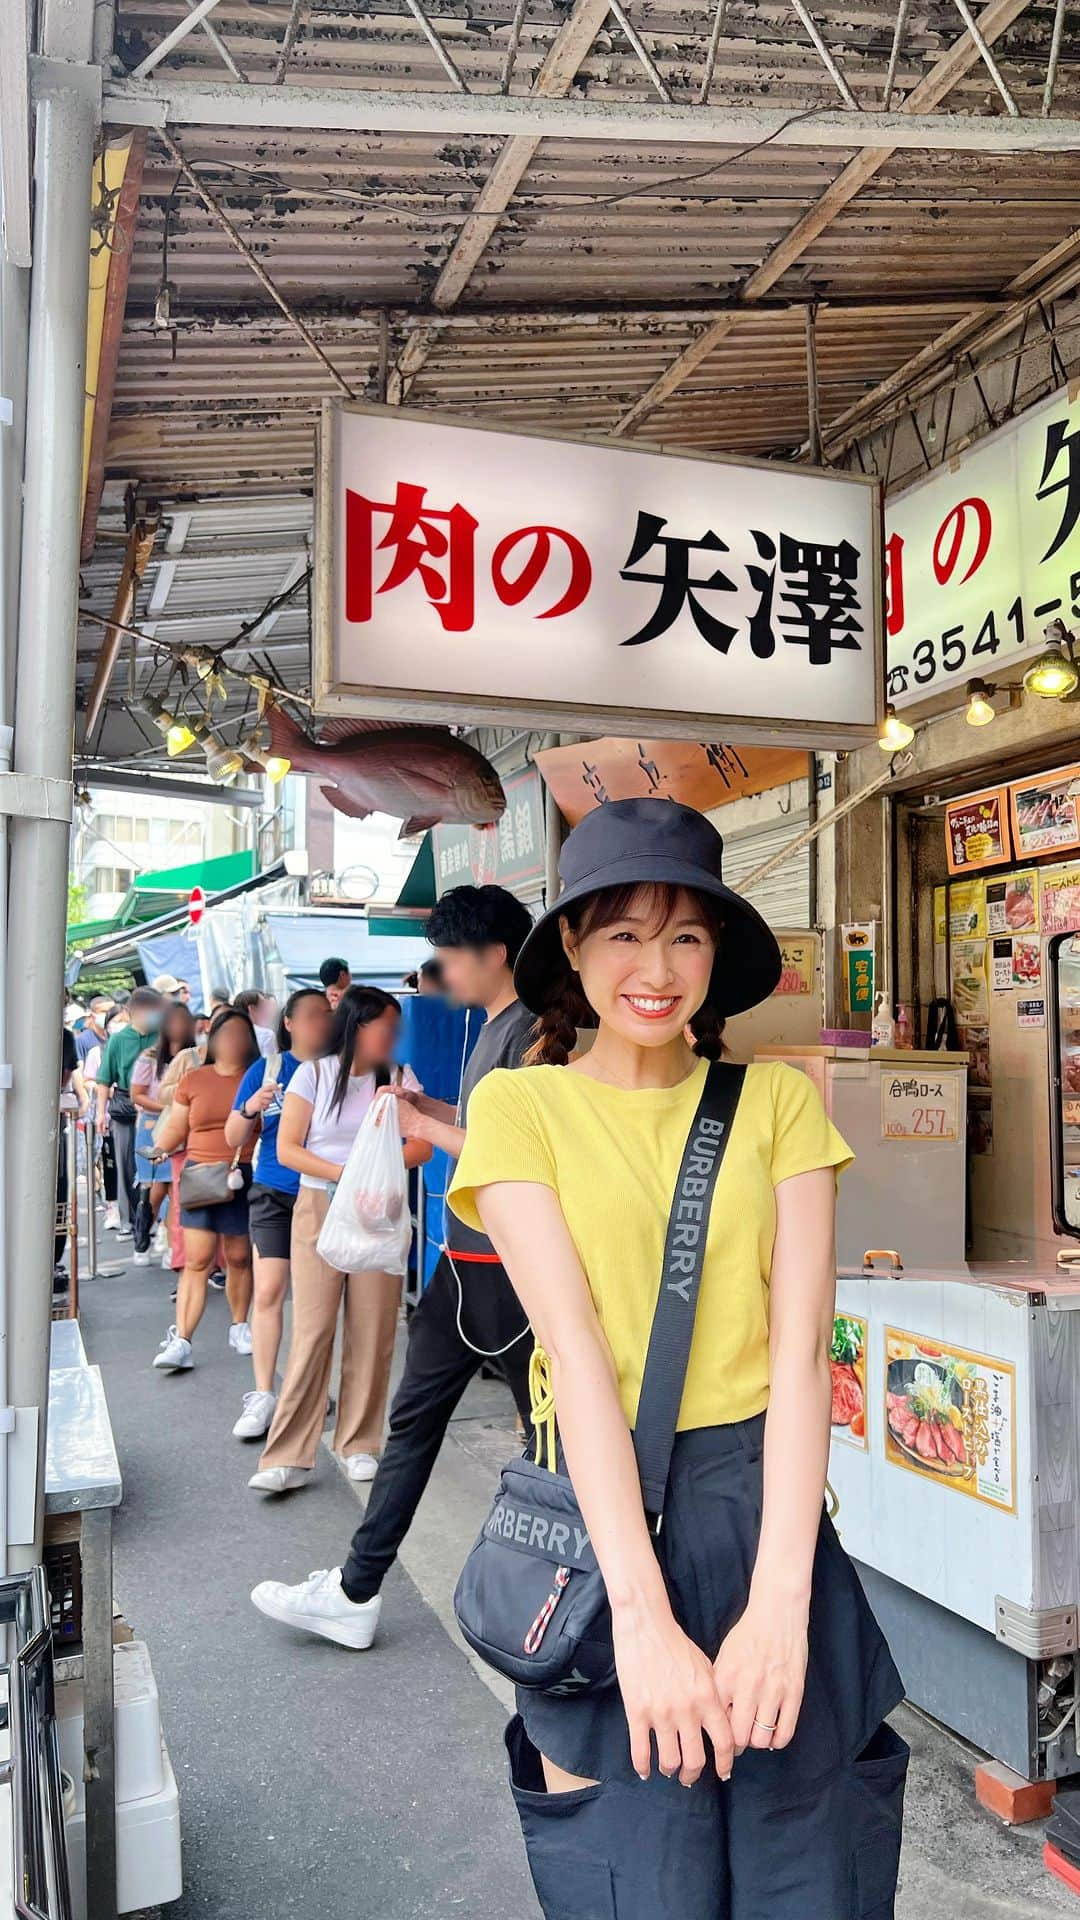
[950,1415]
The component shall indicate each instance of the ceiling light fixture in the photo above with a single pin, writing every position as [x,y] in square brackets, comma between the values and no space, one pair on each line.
[895,733]
[980,705]
[1054,674]
[223,762]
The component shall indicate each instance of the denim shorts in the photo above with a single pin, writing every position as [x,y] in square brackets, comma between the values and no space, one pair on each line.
[811,1832]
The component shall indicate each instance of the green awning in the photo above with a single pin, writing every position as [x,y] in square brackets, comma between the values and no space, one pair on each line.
[418,893]
[153,893]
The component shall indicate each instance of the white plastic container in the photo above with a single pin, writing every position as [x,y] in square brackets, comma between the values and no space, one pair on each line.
[139,1772]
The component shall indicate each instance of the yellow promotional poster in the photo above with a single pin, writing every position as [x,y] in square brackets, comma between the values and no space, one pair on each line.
[977,831]
[950,1416]
[968,984]
[967,909]
[847,1358]
[939,916]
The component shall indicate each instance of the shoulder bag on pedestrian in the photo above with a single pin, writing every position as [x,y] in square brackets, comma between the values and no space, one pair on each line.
[531,1599]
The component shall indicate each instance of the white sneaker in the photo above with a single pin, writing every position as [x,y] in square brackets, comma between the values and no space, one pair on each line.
[256,1417]
[166,1259]
[240,1337]
[361,1466]
[161,1238]
[280,1479]
[112,1217]
[140,1260]
[175,1354]
[320,1605]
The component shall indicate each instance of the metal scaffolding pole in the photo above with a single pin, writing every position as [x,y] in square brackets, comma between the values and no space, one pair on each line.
[67,113]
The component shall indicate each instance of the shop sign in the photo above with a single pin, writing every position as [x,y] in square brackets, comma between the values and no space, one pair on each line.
[1059,892]
[950,1415]
[847,1358]
[1046,811]
[526,580]
[920,1106]
[1031,1013]
[699,773]
[977,831]
[858,945]
[1012,905]
[984,554]
[798,953]
[511,853]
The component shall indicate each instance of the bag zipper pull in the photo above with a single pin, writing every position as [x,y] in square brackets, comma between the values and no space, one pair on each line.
[541,1623]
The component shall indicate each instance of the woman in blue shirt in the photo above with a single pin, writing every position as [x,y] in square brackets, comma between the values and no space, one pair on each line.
[303,1034]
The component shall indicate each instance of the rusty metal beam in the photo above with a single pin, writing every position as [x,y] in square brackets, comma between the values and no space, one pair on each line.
[1057,273]
[123,245]
[140,545]
[556,77]
[930,92]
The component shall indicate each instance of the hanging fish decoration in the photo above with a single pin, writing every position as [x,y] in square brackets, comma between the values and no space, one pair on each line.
[424,776]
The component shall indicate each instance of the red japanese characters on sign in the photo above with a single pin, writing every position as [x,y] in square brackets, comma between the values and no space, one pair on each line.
[519,577]
[984,554]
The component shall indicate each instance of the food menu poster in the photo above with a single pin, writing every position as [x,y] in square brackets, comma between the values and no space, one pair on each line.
[967,909]
[950,1416]
[1046,812]
[1060,891]
[847,1358]
[977,831]
[1012,903]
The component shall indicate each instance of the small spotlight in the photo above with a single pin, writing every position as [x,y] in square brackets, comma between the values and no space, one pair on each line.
[980,706]
[895,733]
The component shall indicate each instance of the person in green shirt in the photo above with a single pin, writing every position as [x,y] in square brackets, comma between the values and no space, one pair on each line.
[115,1107]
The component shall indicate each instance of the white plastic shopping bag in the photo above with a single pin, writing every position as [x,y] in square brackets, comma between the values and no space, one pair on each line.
[367,1228]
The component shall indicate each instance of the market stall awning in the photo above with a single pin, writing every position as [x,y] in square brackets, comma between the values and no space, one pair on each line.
[118,939]
[154,893]
[417,897]
[303,940]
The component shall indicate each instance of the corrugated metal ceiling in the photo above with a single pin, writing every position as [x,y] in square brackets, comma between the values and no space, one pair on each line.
[605,266]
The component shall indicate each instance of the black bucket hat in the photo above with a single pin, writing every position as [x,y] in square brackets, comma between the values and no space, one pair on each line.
[652,842]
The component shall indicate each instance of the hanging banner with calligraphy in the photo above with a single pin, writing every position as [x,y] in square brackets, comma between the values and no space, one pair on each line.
[983,554]
[977,831]
[463,571]
[699,773]
[511,853]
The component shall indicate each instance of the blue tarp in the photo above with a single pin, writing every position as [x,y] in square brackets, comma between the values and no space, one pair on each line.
[435,1044]
[174,953]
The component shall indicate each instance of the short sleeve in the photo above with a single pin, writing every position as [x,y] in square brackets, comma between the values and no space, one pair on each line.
[250,1084]
[107,1069]
[142,1073]
[503,1141]
[804,1137]
[303,1081]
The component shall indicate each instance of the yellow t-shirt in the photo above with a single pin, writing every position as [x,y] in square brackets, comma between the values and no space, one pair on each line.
[613,1158]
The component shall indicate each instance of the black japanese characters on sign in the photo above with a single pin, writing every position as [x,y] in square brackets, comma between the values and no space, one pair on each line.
[511,853]
[816,590]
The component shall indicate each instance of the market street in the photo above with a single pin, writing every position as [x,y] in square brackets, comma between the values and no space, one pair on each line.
[314,1780]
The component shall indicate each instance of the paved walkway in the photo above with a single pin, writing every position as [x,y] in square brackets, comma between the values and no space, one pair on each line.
[322,1785]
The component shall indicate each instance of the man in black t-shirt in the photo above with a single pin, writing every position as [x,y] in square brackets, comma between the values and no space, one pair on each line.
[468,1313]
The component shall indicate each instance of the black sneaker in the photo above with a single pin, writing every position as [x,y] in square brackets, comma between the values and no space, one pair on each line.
[217,1280]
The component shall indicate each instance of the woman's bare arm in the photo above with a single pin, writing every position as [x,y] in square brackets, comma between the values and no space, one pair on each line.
[174,1132]
[761,1667]
[292,1133]
[666,1681]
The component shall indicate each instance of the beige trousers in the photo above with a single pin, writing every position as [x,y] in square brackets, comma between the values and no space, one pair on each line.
[372,1301]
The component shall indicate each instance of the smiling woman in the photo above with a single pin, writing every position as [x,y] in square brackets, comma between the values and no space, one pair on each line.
[747,1660]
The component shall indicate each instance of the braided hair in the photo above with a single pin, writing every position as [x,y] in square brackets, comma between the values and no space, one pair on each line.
[566,1008]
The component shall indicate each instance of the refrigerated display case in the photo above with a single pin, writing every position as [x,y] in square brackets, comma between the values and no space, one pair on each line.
[956,1465]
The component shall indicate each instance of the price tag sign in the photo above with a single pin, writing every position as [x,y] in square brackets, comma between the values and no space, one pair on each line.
[920,1106]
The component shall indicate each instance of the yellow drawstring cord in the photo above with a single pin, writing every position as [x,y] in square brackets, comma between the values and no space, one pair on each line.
[542,1407]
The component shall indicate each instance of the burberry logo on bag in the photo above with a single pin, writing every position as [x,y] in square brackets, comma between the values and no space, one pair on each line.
[554,1539]
[690,1218]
